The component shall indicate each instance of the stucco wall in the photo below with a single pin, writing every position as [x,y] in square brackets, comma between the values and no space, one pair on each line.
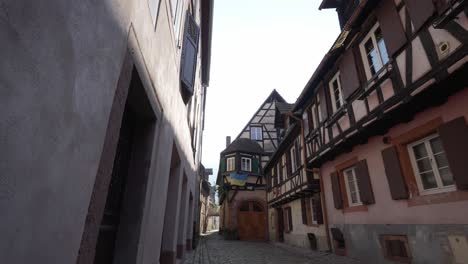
[298,235]
[58,74]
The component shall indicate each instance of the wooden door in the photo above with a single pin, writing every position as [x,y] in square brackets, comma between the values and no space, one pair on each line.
[280,225]
[252,221]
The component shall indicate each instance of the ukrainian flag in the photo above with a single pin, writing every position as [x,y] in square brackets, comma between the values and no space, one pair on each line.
[238,179]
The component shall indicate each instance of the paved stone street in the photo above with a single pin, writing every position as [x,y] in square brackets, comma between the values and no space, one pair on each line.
[213,249]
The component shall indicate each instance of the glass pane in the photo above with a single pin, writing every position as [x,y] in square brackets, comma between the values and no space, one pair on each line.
[353,197]
[428,180]
[424,165]
[381,45]
[420,151]
[446,176]
[436,145]
[441,160]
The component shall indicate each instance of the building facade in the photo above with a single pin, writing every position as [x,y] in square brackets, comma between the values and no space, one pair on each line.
[242,197]
[93,92]
[385,127]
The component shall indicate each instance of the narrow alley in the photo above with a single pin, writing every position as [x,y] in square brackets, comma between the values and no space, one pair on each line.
[213,249]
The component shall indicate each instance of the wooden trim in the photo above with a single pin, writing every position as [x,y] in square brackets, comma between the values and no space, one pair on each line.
[447,197]
[358,208]
[346,164]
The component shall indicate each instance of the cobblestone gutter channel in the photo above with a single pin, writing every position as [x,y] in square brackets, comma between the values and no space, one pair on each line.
[213,249]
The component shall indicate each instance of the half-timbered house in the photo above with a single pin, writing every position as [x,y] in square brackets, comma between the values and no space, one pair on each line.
[240,178]
[384,118]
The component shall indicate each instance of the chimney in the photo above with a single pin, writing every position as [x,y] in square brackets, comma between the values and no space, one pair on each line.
[228,141]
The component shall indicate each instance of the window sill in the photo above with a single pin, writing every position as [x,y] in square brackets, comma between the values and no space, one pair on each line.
[438,198]
[357,208]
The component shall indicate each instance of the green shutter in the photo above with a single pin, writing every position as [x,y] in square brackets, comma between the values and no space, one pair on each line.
[223,165]
[255,166]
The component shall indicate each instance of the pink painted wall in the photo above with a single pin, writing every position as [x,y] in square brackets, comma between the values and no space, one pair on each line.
[388,211]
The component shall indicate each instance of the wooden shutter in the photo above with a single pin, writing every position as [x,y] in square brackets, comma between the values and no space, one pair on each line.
[318,210]
[419,12]
[323,101]
[238,163]
[304,211]
[348,74]
[188,61]
[337,197]
[280,172]
[364,183]
[297,153]
[290,219]
[255,165]
[275,178]
[395,178]
[454,136]
[390,24]
[223,164]
[288,164]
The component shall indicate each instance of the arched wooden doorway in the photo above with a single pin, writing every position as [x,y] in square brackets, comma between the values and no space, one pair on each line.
[251,221]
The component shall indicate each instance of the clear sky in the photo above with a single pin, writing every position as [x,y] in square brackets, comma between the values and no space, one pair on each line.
[258,46]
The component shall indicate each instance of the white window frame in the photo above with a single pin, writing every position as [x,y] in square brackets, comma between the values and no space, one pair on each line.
[435,170]
[332,92]
[315,122]
[177,15]
[257,135]
[273,175]
[245,160]
[348,190]
[230,163]
[292,153]
[284,167]
[371,35]
[312,211]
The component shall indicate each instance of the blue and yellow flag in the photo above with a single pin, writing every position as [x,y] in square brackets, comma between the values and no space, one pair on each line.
[238,179]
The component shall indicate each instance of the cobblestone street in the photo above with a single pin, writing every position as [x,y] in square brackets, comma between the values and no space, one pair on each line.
[213,249]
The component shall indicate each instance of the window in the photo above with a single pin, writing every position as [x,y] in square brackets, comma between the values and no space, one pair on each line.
[285,168]
[293,159]
[256,133]
[395,247]
[374,51]
[273,177]
[430,165]
[176,10]
[287,220]
[231,161]
[319,111]
[313,205]
[336,94]
[246,164]
[352,189]
[314,116]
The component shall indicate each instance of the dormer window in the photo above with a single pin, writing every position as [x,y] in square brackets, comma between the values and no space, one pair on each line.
[246,164]
[336,93]
[374,52]
[231,161]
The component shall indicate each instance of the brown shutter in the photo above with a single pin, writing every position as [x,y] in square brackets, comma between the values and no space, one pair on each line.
[364,183]
[454,136]
[390,24]
[310,118]
[348,74]
[419,12]
[280,169]
[290,219]
[304,211]
[297,153]
[238,162]
[337,198]
[275,178]
[318,210]
[288,164]
[323,101]
[395,178]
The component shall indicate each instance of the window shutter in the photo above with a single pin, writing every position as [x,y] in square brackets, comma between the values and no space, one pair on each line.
[323,101]
[304,211]
[310,118]
[364,183]
[223,164]
[280,172]
[395,178]
[290,219]
[454,136]
[337,198]
[318,210]
[390,24]
[288,163]
[297,153]
[348,74]
[238,165]
[419,12]
[255,165]
[188,61]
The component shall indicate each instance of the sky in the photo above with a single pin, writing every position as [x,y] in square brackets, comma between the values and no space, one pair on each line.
[258,46]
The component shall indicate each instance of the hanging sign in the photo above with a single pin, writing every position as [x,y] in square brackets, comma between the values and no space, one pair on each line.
[238,179]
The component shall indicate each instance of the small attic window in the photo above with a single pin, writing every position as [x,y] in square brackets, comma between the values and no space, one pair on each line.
[256,133]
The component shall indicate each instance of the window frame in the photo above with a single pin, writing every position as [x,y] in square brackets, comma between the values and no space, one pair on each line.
[355,182]
[435,170]
[331,90]
[287,216]
[362,49]
[250,163]
[313,216]
[292,153]
[233,158]
[385,250]
[261,133]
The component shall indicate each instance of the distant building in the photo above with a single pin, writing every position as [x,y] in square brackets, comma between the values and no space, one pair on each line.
[240,178]
[101,123]
[382,126]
